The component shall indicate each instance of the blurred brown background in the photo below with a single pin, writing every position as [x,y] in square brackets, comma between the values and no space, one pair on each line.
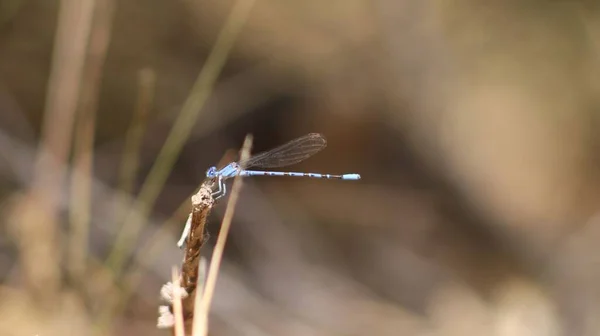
[472,124]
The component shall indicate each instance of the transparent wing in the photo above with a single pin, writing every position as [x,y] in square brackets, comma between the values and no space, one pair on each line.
[288,154]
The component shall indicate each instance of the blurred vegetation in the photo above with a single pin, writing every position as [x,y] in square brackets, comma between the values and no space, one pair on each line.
[473,125]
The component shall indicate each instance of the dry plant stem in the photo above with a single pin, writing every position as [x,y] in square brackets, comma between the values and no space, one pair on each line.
[37,225]
[177,309]
[201,319]
[81,179]
[192,277]
[179,133]
[202,203]
[200,212]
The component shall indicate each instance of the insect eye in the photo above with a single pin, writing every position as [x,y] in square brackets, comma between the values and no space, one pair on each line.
[211,172]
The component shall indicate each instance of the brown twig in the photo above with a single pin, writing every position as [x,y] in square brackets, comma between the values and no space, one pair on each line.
[202,203]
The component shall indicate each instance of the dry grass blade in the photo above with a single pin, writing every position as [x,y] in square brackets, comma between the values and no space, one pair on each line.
[179,133]
[177,309]
[36,224]
[201,318]
[81,179]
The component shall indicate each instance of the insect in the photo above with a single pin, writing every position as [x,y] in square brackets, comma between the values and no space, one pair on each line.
[287,154]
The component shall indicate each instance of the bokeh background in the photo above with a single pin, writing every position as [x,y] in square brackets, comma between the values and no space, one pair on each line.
[472,123]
